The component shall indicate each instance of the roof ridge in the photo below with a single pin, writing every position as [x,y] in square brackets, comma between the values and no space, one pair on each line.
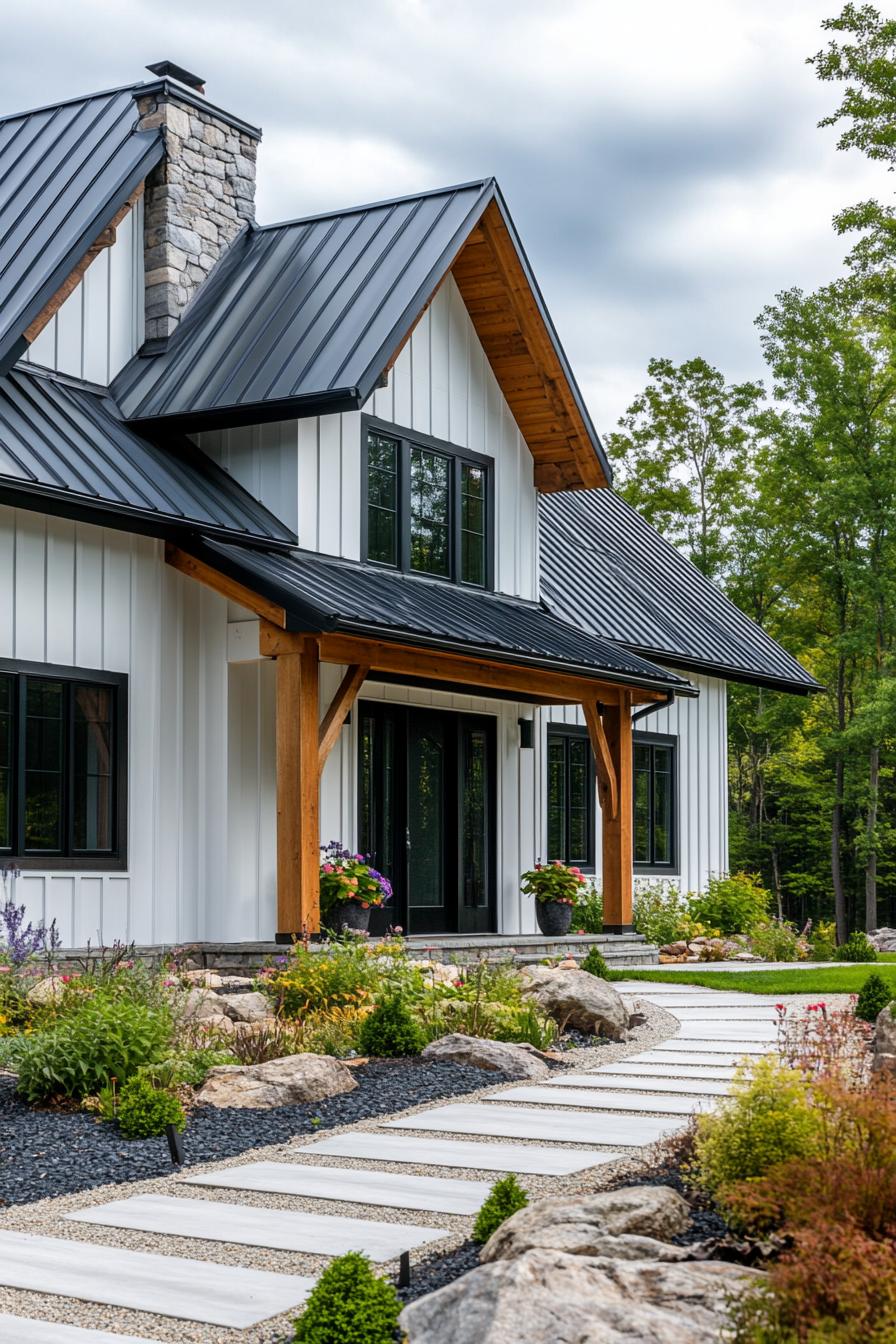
[481,182]
[67,102]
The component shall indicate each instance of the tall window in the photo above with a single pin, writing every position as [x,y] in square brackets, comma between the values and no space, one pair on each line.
[655,782]
[570,795]
[428,507]
[61,764]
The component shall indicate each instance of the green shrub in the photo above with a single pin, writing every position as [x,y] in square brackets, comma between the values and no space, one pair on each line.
[777,940]
[874,995]
[660,913]
[857,947]
[823,941]
[144,1111]
[769,1118]
[594,964]
[588,911]
[524,1023]
[106,1038]
[391,1031]
[349,1304]
[506,1196]
[189,1068]
[731,904]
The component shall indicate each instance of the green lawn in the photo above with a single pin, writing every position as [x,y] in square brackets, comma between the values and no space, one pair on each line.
[846,979]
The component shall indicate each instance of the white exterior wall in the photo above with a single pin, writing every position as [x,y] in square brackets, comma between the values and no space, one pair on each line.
[702,787]
[87,597]
[100,325]
[309,472]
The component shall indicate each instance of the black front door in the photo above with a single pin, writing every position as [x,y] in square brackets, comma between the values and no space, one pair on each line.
[427,816]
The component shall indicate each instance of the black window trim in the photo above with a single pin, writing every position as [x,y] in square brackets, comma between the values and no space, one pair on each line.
[560,729]
[105,861]
[671,869]
[412,438]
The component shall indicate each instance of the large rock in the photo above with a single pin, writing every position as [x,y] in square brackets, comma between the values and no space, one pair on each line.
[546,1297]
[253,1007]
[885,1041]
[48,990]
[883,939]
[513,1061]
[281,1082]
[578,999]
[579,1224]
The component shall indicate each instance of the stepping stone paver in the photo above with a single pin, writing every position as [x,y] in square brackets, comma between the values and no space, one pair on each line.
[190,1290]
[644,1082]
[599,1100]
[681,1055]
[700,1046]
[25,1330]
[525,1159]
[436,1194]
[519,1122]
[248,1225]
[645,1069]
[744,1016]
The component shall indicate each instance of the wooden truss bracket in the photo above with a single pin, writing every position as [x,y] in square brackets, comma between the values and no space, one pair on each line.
[607,781]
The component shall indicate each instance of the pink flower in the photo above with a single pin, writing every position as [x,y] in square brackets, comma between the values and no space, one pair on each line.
[328,868]
[458,984]
[5,969]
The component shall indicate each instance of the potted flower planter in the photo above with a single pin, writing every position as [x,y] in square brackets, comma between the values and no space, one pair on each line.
[347,915]
[554,917]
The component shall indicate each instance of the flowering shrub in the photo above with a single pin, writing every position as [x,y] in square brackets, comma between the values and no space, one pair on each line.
[486,1000]
[345,876]
[777,940]
[858,947]
[731,904]
[588,911]
[340,975]
[553,881]
[660,913]
[826,1043]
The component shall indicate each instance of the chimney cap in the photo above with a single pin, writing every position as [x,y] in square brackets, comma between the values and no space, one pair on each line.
[168,69]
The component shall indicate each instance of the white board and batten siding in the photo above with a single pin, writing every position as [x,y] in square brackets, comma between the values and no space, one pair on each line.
[87,597]
[100,325]
[700,727]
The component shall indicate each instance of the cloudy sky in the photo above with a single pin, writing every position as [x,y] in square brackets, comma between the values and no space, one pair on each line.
[660,159]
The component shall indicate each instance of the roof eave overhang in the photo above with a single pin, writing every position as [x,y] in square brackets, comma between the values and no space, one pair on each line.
[331,402]
[742,676]
[14,344]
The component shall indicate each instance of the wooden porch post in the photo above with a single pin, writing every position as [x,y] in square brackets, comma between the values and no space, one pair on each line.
[617,828]
[298,793]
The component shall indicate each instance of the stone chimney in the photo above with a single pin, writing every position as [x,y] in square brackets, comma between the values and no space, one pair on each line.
[197,200]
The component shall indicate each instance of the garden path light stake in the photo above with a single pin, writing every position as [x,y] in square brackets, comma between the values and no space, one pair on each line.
[175,1145]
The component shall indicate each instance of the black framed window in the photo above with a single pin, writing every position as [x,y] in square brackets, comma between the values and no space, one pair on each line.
[62,766]
[655,812]
[570,796]
[428,506]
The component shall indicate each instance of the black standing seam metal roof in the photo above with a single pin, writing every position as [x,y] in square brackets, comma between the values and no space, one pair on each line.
[608,571]
[302,317]
[65,171]
[324,594]
[64,444]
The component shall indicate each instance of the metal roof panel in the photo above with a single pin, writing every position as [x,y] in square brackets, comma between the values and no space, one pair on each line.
[606,569]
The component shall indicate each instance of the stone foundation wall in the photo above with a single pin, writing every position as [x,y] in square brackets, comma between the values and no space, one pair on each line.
[197,200]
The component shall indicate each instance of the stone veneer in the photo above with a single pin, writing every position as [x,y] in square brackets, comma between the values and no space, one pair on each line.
[197,200]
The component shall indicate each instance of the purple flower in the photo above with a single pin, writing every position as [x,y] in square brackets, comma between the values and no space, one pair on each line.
[24,940]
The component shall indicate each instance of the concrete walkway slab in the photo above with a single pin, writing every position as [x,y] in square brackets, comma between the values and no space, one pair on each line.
[525,1159]
[644,1068]
[167,1285]
[599,1100]
[25,1330]
[682,1054]
[436,1194]
[519,1122]
[643,1082]
[247,1225]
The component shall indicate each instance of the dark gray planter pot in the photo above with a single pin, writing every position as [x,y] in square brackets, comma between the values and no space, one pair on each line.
[347,915]
[554,917]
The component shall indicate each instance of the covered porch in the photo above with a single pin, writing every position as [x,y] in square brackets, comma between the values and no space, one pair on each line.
[317,614]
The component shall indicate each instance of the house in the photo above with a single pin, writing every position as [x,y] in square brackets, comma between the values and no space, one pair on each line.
[305,532]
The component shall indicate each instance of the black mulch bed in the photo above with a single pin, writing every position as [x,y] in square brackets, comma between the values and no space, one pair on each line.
[47,1153]
[439,1269]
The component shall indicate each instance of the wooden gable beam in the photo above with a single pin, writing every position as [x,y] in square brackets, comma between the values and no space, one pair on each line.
[70,284]
[229,588]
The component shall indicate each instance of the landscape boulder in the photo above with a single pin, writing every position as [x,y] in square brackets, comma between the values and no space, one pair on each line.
[281,1082]
[885,1041]
[253,1007]
[513,1061]
[580,1224]
[574,1299]
[578,999]
[46,990]
[883,939]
